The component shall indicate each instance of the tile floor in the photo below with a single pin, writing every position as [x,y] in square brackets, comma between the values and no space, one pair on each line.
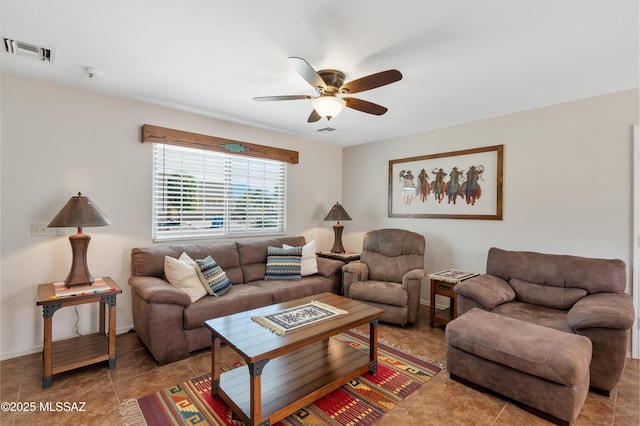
[440,402]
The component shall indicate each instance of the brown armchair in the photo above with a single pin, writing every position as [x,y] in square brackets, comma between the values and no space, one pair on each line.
[573,294]
[388,274]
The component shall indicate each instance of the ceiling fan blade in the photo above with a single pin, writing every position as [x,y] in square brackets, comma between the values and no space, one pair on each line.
[371,81]
[307,72]
[365,106]
[282,98]
[313,117]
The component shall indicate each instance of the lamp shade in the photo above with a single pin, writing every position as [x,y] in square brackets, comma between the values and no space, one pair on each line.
[328,106]
[338,213]
[79,212]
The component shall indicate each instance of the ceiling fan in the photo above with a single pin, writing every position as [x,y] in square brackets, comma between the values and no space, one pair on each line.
[329,84]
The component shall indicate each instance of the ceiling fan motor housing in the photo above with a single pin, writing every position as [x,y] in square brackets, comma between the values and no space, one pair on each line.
[334,79]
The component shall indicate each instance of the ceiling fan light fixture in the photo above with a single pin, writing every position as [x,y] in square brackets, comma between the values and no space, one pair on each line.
[328,106]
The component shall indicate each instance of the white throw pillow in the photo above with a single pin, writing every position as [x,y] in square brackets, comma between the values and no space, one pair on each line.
[309,264]
[184,276]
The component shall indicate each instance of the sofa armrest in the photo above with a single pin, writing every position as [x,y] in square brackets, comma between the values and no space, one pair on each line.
[328,267]
[353,272]
[357,267]
[487,290]
[413,275]
[157,290]
[602,310]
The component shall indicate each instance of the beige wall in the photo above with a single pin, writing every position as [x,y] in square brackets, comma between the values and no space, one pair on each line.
[567,189]
[57,141]
[567,184]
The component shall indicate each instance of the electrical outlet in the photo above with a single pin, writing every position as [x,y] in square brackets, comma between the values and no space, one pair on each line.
[62,231]
[39,230]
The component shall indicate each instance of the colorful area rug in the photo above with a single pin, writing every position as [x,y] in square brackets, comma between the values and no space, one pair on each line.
[362,401]
[292,318]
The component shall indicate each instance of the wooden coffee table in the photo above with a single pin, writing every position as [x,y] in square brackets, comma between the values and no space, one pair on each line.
[286,373]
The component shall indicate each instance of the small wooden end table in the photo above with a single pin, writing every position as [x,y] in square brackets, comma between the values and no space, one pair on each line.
[345,257]
[442,283]
[69,354]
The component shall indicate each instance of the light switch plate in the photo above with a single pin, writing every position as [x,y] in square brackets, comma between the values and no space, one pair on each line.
[39,230]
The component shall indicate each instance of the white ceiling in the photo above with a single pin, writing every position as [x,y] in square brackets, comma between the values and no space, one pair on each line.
[462,60]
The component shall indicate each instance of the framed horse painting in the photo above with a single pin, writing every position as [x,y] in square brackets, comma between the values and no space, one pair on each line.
[463,184]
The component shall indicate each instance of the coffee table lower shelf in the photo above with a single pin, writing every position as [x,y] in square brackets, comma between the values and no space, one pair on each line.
[295,380]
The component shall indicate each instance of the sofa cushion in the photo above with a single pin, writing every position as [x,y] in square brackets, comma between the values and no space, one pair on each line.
[545,295]
[213,278]
[541,315]
[182,274]
[379,291]
[591,274]
[149,261]
[284,290]
[487,290]
[283,263]
[227,257]
[560,357]
[239,298]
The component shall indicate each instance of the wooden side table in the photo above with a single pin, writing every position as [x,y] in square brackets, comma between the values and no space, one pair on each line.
[345,257]
[442,283]
[69,354]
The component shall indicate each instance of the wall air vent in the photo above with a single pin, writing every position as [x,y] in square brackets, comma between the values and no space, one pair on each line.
[326,129]
[20,48]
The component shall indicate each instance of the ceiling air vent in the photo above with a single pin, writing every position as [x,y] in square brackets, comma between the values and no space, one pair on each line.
[20,48]
[326,129]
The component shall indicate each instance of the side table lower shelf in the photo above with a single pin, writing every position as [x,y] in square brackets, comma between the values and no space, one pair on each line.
[80,351]
[442,316]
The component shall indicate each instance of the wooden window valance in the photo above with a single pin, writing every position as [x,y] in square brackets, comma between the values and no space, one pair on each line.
[158,134]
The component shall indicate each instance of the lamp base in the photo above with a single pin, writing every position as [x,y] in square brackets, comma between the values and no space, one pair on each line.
[79,273]
[337,242]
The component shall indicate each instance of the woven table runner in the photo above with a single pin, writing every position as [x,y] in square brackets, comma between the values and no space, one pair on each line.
[292,318]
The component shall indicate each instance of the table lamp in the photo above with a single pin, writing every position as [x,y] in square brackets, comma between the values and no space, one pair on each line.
[337,213]
[79,212]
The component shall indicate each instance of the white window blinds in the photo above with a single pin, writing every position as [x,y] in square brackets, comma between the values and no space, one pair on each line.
[200,193]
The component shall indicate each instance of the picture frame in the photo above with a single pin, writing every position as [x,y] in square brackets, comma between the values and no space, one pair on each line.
[464,184]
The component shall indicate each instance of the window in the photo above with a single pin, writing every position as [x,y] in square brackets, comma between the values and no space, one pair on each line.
[200,193]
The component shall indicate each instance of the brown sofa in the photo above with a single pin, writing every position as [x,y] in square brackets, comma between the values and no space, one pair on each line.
[573,294]
[171,326]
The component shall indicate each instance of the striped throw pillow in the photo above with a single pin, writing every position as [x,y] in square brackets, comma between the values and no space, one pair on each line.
[283,264]
[213,278]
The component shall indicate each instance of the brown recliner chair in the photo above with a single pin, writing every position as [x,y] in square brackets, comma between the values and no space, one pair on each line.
[573,294]
[388,274]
